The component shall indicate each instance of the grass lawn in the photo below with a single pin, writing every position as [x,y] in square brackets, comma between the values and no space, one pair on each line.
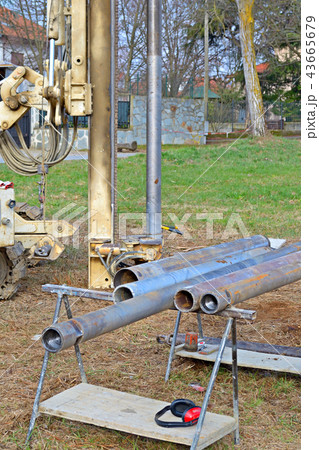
[257,179]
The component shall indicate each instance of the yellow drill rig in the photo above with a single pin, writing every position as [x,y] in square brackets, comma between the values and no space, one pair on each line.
[80,80]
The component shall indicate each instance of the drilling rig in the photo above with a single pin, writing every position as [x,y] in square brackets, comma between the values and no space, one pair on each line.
[80,80]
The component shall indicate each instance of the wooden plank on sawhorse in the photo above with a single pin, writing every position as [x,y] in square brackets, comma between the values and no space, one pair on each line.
[132,414]
[246,358]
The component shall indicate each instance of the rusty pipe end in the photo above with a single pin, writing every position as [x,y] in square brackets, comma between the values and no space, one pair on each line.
[122,293]
[184,301]
[124,276]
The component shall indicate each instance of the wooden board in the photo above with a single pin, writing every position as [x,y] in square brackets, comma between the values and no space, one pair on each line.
[130,413]
[248,358]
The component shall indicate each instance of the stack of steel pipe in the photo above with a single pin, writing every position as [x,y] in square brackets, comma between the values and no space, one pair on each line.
[170,272]
[216,293]
[159,275]
[153,286]
[188,259]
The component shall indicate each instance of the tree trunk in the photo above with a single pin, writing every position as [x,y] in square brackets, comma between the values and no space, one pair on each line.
[253,90]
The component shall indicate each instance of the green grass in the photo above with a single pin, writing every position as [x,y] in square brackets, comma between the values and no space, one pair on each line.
[259,180]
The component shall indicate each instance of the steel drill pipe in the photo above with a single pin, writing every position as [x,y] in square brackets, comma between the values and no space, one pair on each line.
[241,291]
[63,335]
[182,260]
[154,119]
[259,283]
[78,330]
[131,290]
[188,298]
[212,295]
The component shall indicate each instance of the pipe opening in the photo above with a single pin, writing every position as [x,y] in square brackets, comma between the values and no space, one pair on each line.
[184,301]
[51,340]
[124,276]
[122,293]
[209,303]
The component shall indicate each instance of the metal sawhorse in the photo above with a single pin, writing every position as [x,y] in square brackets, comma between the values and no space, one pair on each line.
[231,313]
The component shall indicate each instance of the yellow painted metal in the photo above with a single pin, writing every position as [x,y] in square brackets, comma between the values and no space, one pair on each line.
[29,232]
[93,44]
[53,11]
[100,154]
[56,21]
[37,233]
[78,91]
[15,105]
[55,252]
[6,217]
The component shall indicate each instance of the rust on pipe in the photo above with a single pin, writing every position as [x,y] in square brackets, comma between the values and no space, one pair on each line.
[182,260]
[78,330]
[201,272]
[188,298]
[215,295]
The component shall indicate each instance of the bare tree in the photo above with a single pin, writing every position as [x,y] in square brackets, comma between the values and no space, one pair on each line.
[132,38]
[183,57]
[23,27]
[254,97]
[277,26]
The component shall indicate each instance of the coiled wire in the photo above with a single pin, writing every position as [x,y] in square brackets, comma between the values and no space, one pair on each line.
[22,161]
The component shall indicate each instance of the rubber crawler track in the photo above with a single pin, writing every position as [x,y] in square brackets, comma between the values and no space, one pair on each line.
[13,262]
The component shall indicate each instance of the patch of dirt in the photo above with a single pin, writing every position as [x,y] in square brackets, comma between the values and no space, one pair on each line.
[130,359]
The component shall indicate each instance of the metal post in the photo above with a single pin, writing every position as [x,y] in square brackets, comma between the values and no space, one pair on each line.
[51,62]
[211,384]
[173,344]
[206,79]
[101,139]
[200,326]
[76,346]
[206,60]
[113,123]
[154,125]
[42,375]
[232,115]
[235,381]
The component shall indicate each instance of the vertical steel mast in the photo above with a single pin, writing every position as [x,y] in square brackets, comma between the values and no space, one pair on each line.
[102,170]
[101,134]
[154,125]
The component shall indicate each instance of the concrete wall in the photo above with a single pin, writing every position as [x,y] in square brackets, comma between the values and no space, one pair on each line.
[182,123]
[292,126]
[227,127]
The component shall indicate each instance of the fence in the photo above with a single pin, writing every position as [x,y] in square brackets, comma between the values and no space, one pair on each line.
[276,114]
[219,112]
